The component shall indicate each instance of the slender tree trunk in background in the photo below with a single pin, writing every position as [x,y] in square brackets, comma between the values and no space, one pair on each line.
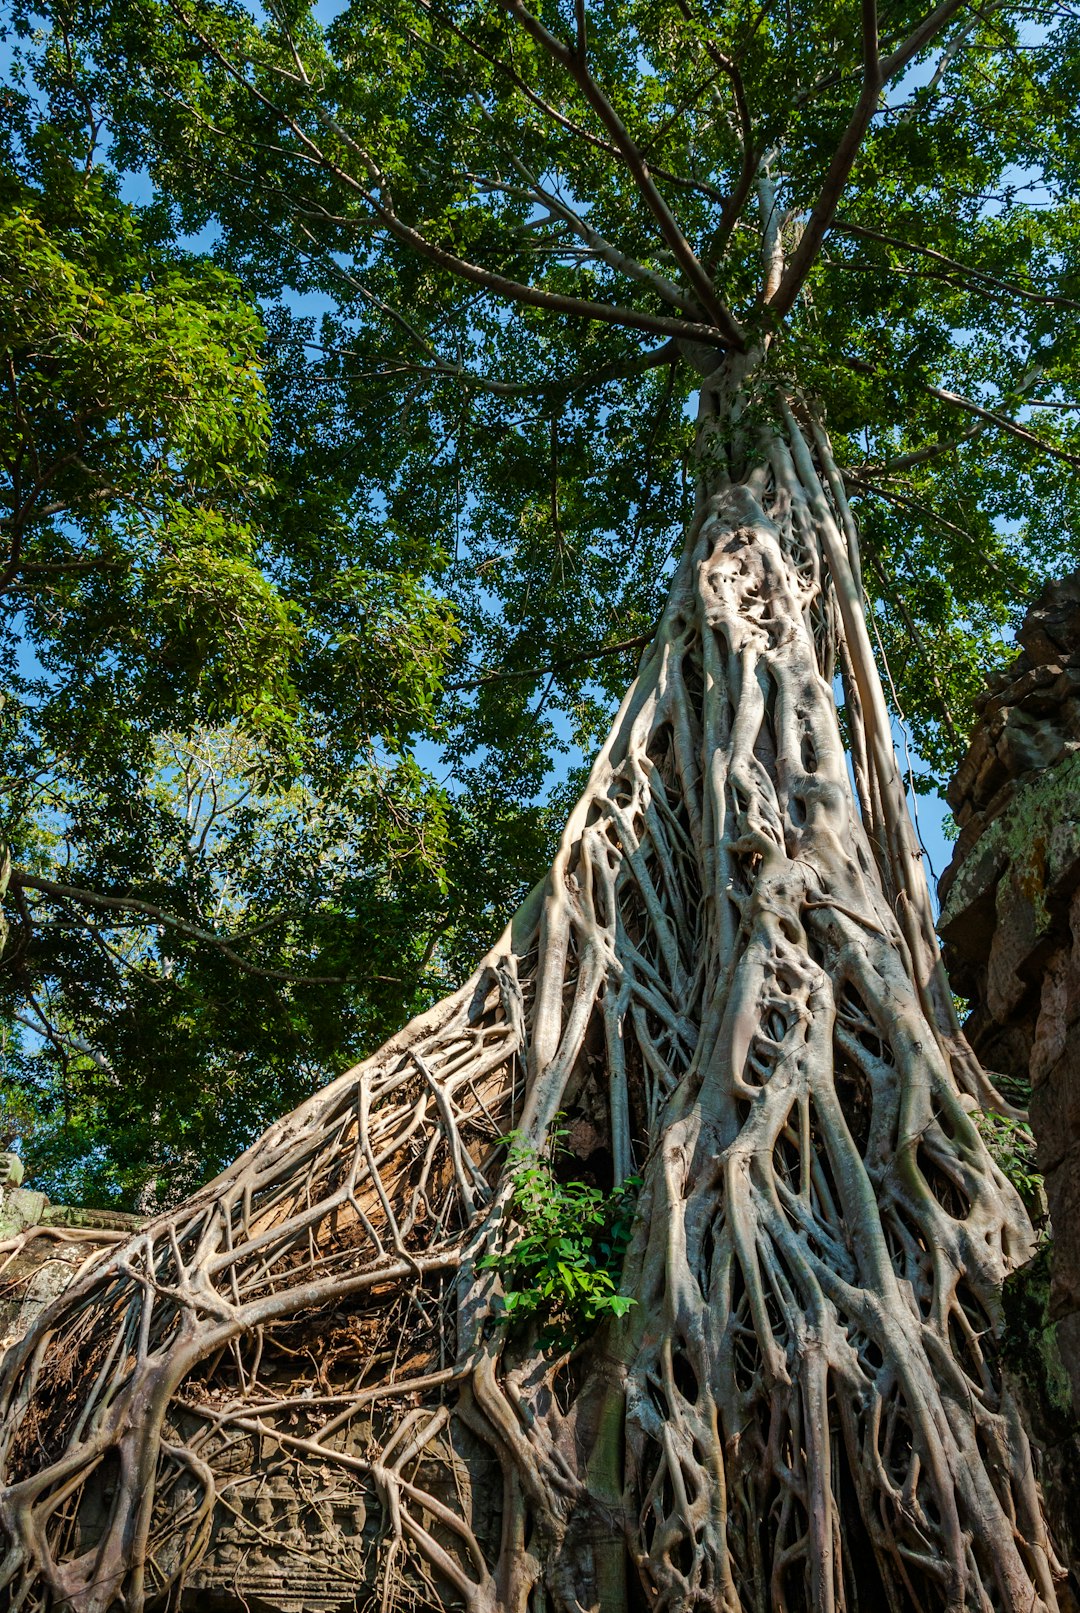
[731,970]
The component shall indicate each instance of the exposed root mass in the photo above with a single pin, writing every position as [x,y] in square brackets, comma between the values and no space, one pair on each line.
[728,985]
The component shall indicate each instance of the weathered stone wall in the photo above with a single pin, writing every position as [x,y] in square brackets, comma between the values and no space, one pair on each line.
[1010,923]
[42,1246]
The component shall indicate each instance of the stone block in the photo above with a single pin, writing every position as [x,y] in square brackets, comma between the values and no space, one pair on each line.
[11,1170]
[961,785]
[1020,943]
[20,1207]
[991,776]
[1005,1049]
[968,911]
[1028,743]
[69,1215]
[1020,685]
[1063,1195]
[1068,1342]
[1052,623]
[1055,1109]
[1052,1026]
[1063,859]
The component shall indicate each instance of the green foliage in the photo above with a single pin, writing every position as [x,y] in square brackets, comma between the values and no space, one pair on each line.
[556,488]
[228,867]
[561,1265]
[1012,1148]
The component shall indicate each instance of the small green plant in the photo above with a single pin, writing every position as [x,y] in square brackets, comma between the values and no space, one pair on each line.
[1012,1147]
[564,1267]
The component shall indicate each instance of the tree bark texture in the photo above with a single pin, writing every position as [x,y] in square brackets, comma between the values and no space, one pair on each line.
[729,981]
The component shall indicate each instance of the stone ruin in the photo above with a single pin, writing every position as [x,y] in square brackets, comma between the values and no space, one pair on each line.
[281,1549]
[43,1245]
[1010,925]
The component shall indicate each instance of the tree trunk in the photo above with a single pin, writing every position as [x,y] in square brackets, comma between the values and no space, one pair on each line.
[729,984]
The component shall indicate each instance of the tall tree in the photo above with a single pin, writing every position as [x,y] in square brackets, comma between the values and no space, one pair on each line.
[850,237]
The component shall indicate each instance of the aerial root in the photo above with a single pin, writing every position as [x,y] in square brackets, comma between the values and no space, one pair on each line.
[728,987]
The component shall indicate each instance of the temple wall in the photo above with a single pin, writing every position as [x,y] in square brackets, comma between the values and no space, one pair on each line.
[1010,924]
[42,1246]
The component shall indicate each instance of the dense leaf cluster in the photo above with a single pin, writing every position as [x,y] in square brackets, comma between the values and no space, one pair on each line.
[225,863]
[561,1265]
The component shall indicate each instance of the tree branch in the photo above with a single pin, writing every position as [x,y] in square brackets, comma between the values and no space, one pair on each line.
[1002,422]
[682,181]
[558,666]
[596,244]
[617,370]
[501,285]
[130,904]
[575,65]
[489,280]
[903,501]
[734,204]
[839,171]
[919,456]
[876,74]
[860,230]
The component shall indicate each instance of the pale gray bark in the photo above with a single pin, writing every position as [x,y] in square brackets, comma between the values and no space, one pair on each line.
[732,968]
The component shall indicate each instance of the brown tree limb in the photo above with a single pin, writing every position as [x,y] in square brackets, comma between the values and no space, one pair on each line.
[844,227]
[558,666]
[489,280]
[802,259]
[574,63]
[1013,428]
[135,905]
[877,72]
[681,181]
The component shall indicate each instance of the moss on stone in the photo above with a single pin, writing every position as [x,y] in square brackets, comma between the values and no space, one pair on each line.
[1029,1342]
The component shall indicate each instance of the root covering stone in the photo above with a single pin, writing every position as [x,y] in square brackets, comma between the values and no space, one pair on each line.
[730,974]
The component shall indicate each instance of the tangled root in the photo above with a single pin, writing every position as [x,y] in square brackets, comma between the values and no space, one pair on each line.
[728,984]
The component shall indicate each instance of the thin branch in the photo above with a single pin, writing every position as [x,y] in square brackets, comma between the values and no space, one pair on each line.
[681,181]
[903,501]
[576,66]
[876,74]
[931,24]
[839,170]
[597,246]
[920,644]
[557,666]
[919,456]
[1013,290]
[1002,422]
[617,370]
[490,280]
[751,157]
[131,904]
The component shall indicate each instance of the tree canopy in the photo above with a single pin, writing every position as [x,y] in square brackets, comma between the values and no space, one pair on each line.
[345,467]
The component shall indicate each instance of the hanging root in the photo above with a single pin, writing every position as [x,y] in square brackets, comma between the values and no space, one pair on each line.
[727,985]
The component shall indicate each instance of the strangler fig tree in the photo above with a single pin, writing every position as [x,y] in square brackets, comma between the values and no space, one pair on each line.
[847,236]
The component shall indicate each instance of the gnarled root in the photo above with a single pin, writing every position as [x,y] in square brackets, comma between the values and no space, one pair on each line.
[728,984]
